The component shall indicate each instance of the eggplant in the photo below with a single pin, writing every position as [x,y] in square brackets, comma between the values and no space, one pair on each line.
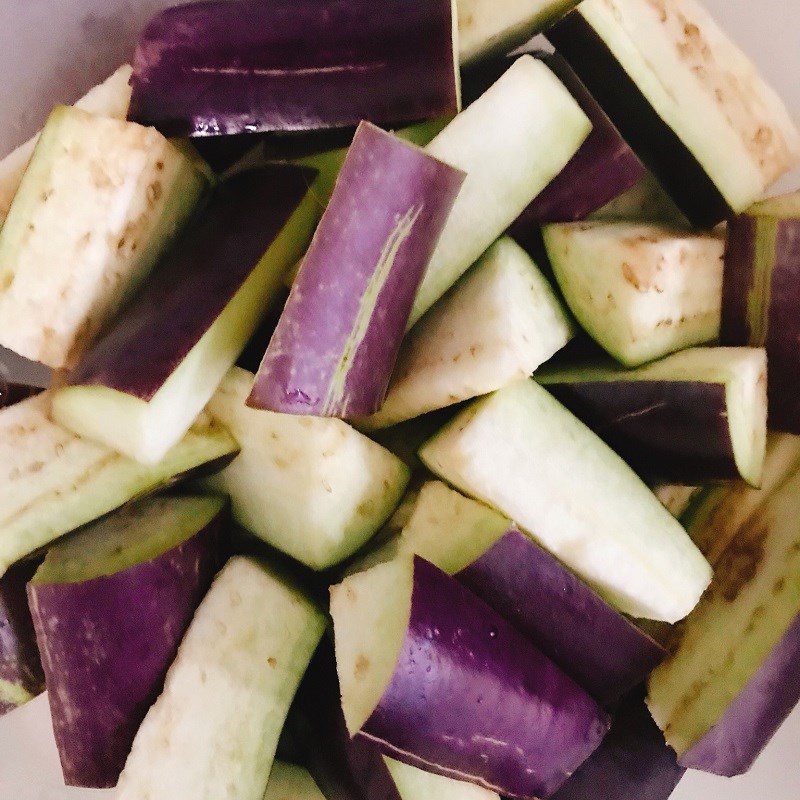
[12,393]
[53,481]
[602,169]
[110,605]
[210,69]
[109,99]
[718,512]
[733,675]
[337,340]
[214,730]
[314,488]
[487,28]
[68,263]
[291,782]
[531,589]
[439,681]
[640,291]
[633,761]
[697,416]
[507,165]
[523,453]
[21,676]
[685,98]
[139,388]
[759,297]
[499,323]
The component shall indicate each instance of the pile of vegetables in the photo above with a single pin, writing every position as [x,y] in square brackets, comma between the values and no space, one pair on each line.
[422,418]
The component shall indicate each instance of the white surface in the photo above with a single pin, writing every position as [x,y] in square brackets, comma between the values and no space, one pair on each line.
[44,60]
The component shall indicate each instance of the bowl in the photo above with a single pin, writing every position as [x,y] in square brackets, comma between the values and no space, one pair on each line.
[54,51]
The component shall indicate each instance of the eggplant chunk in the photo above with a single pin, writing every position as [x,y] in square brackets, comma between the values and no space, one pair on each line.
[290,782]
[499,323]
[438,680]
[211,69]
[523,453]
[100,202]
[53,482]
[337,340]
[507,165]
[139,388]
[734,672]
[110,605]
[312,487]
[21,676]
[530,588]
[685,97]
[214,730]
[760,297]
[640,291]
[697,416]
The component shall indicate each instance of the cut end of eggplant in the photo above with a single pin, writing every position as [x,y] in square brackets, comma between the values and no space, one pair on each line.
[371,612]
[641,291]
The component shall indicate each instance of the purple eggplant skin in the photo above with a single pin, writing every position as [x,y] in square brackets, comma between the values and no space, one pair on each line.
[199,277]
[778,328]
[471,698]
[20,665]
[673,431]
[633,761]
[336,343]
[106,646]
[731,747]
[215,68]
[673,164]
[11,393]
[599,648]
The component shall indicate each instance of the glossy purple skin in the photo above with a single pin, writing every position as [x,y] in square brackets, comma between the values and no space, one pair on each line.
[753,718]
[472,698]
[658,146]
[11,393]
[192,286]
[633,762]
[782,323]
[19,656]
[602,169]
[212,68]
[106,645]
[570,623]
[673,431]
[388,194]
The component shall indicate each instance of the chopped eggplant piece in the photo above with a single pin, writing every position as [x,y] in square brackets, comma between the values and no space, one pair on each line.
[144,382]
[698,416]
[640,291]
[337,340]
[760,297]
[440,681]
[111,604]
[523,453]
[499,323]
[100,202]
[212,68]
[53,481]
[684,96]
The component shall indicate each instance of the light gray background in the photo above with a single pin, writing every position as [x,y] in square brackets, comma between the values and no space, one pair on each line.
[53,50]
